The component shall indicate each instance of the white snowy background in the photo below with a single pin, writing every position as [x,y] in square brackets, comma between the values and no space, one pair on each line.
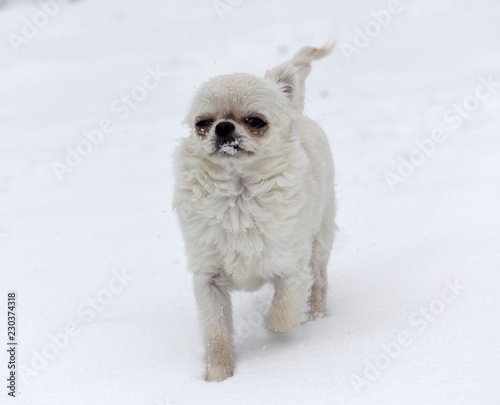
[105,310]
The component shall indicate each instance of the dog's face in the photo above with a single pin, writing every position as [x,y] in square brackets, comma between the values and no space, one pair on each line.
[241,116]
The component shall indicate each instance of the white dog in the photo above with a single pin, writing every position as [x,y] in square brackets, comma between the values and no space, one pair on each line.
[255,200]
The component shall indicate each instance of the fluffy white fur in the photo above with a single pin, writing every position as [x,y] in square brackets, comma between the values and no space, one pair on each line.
[261,211]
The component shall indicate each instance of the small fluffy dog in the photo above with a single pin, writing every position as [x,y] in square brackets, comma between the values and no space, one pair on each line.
[255,200]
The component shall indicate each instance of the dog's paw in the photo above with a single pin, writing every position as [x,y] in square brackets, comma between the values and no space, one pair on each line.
[281,319]
[220,357]
[219,373]
[316,314]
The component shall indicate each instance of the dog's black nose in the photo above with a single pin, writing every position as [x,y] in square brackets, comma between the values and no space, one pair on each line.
[224,129]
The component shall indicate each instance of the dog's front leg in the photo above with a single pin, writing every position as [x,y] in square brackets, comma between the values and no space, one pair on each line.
[214,303]
[289,304]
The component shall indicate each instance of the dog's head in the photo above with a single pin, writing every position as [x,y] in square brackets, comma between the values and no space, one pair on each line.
[240,116]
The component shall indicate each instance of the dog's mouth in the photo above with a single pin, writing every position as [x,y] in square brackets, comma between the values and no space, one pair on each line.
[229,148]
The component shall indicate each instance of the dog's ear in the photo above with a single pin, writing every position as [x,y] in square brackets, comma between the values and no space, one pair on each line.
[285,76]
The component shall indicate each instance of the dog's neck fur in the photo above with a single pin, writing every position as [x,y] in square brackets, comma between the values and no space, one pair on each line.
[232,175]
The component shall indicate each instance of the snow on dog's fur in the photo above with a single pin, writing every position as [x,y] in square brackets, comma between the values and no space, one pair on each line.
[255,200]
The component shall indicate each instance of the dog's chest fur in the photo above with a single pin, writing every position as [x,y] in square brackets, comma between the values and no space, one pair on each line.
[241,225]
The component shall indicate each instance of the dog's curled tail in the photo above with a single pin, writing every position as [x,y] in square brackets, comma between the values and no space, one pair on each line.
[303,58]
[292,75]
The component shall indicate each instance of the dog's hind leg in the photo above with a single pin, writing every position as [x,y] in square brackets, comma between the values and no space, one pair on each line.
[213,297]
[322,247]
[317,299]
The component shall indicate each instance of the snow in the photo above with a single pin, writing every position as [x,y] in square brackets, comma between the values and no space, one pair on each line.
[230,148]
[90,113]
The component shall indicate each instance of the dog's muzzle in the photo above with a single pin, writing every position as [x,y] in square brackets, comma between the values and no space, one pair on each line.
[226,139]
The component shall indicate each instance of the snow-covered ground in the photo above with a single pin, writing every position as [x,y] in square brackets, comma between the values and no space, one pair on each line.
[92,94]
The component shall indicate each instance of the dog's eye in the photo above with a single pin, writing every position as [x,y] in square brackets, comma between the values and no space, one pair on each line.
[203,123]
[255,122]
